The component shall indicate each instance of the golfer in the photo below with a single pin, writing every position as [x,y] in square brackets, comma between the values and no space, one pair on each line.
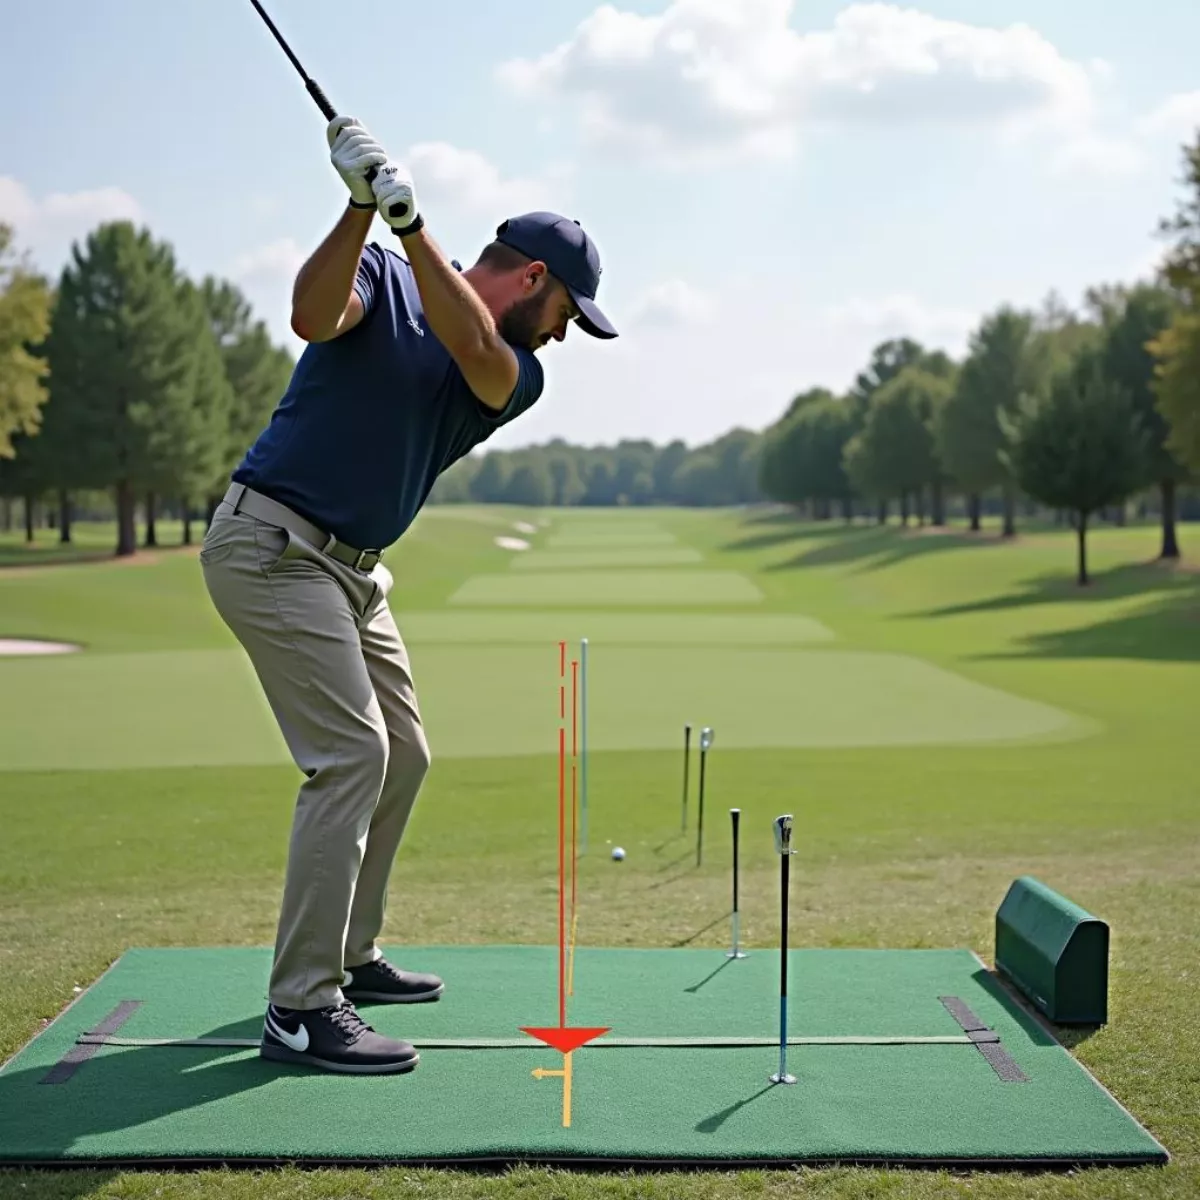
[410,363]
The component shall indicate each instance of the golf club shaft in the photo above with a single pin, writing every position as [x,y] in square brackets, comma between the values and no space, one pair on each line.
[700,809]
[783,965]
[735,951]
[322,101]
[687,758]
[734,814]
[311,84]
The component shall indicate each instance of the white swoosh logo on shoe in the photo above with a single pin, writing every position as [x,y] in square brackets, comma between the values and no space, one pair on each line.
[295,1041]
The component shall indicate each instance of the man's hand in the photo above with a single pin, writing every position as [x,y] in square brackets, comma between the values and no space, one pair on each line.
[353,153]
[396,198]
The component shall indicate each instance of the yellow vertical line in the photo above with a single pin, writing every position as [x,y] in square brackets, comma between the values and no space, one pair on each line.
[571,960]
[566,1090]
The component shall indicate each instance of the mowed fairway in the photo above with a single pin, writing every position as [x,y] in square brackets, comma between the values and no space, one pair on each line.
[941,713]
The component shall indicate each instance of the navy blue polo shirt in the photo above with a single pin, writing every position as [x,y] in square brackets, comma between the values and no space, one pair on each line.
[371,418]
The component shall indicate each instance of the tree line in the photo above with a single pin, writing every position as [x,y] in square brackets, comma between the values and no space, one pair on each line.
[1076,410]
[127,380]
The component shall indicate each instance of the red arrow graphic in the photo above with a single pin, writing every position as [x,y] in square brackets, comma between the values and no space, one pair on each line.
[564,1038]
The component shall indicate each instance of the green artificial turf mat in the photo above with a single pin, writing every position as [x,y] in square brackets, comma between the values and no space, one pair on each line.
[691,1103]
[205,707]
[617,587]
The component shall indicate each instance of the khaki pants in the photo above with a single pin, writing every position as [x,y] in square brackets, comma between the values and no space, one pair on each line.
[335,672]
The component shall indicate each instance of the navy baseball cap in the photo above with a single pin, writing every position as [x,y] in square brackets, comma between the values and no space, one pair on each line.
[570,256]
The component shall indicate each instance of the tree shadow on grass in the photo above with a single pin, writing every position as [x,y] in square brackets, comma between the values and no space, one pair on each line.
[792,529]
[1165,629]
[20,556]
[1131,579]
[878,546]
[1165,632]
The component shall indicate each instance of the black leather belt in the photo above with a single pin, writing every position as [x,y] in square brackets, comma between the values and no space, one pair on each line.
[247,500]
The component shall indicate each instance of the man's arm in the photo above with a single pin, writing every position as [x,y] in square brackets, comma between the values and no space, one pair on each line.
[462,322]
[324,302]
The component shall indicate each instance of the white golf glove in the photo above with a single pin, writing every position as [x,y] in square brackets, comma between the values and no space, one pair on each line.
[354,154]
[396,197]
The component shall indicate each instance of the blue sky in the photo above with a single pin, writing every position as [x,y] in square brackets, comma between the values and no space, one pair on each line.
[774,187]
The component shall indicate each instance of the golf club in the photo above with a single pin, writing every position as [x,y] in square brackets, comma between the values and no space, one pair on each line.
[706,737]
[734,816]
[783,847]
[398,209]
[687,757]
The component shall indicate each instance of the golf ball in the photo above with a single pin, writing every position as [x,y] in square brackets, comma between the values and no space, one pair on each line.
[618,853]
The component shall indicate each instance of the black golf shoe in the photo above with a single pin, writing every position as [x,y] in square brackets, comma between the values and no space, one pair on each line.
[382,982]
[335,1038]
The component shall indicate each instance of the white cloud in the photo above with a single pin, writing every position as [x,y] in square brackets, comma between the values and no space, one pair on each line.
[709,78]
[870,321]
[269,265]
[1100,154]
[1177,116]
[466,182]
[671,304]
[48,224]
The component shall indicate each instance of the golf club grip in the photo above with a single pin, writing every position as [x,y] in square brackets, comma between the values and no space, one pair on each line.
[783,933]
[734,814]
[314,90]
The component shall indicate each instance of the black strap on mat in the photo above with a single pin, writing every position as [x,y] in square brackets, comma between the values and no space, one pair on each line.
[79,1053]
[986,1041]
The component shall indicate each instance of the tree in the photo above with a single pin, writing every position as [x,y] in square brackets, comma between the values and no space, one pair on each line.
[565,481]
[190,433]
[1177,349]
[802,457]
[888,359]
[698,481]
[529,485]
[490,481]
[998,370]
[1080,447]
[1133,319]
[1181,268]
[1177,386]
[900,456]
[122,349]
[669,461]
[26,300]
[817,395]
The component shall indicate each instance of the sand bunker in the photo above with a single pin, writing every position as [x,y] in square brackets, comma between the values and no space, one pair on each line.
[507,543]
[525,527]
[23,646]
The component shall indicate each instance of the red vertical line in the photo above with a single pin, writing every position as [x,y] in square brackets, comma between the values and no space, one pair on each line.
[562,889]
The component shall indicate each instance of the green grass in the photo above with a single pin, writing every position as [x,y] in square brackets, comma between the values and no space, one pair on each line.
[904,846]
